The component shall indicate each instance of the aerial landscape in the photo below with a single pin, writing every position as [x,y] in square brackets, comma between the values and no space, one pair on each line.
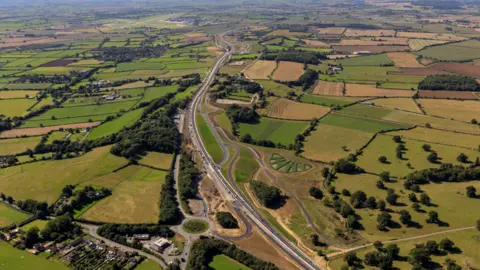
[213,134]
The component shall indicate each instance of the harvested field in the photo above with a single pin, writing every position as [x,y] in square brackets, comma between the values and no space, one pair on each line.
[44,130]
[194,34]
[404,104]
[17,145]
[196,39]
[288,109]
[19,42]
[138,84]
[214,49]
[58,63]
[368,90]
[369,48]
[451,109]
[423,71]
[458,68]
[261,69]
[439,136]
[368,33]
[404,60]
[157,160]
[288,71]
[316,43]
[446,37]
[15,107]
[287,33]
[374,42]
[446,94]
[17,94]
[331,30]
[327,142]
[328,88]
[419,44]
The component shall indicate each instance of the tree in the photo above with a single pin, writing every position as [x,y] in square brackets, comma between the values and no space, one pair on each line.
[227,220]
[399,154]
[358,198]
[431,247]
[478,224]
[325,172]
[383,221]
[380,184]
[10,199]
[378,245]
[315,193]
[381,205]
[433,217]
[452,264]
[471,192]
[2,196]
[418,256]
[474,121]
[446,244]
[432,157]
[397,139]
[405,217]
[371,203]
[352,222]
[392,197]
[346,193]
[412,197]
[382,159]
[393,250]
[385,176]
[427,147]
[462,158]
[416,206]
[425,199]
[351,258]
[32,237]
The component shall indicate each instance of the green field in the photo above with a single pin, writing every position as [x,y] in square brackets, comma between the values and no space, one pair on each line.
[209,140]
[358,123]
[461,51]
[148,265]
[63,121]
[157,160]
[277,88]
[195,226]
[156,92]
[277,131]
[366,111]
[329,100]
[13,258]
[9,215]
[115,125]
[17,145]
[370,60]
[222,262]
[36,223]
[132,66]
[43,181]
[15,107]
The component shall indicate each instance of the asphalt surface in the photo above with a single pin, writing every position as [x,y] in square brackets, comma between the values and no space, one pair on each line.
[214,171]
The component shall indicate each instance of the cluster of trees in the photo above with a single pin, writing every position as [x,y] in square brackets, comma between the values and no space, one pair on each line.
[292,27]
[382,257]
[268,196]
[227,220]
[169,212]
[59,229]
[233,84]
[40,78]
[449,82]
[240,114]
[128,54]
[300,138]
[292,55]
[119,232]
[203,251]
[446,173]
[76,200]
[187,175]
[188,80]
[347,167]
[39,209]
[360,200]
[420,255]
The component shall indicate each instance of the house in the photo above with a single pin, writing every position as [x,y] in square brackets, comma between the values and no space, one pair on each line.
[145,236]
[162,244]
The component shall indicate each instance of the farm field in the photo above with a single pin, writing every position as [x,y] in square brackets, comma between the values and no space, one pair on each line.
[366,33]
[288,109]
[157,160]
[466,241]
[115,125]
[418,44]
[17,94]
[156,92]
[428,135]
[18,145]
[404,60]
[15,107]
[328,88]
[261,70]
[133,201]
[13,258]
[370,60]
[276,88]
[446,94]
[465,50]
[451,109]
[359,90]
[209,140]
[370,48]
[435,36]
[327,142]
[404,104]
[9,215]
[360,123]
[222,262]
[328,100]
[288,71]
[37,180]
[45,123]
[331,30]
[148,265]
[383,145]
[44,130]
[277,131]
[458,68]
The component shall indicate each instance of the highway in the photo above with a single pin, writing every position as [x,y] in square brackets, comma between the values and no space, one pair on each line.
[226,187]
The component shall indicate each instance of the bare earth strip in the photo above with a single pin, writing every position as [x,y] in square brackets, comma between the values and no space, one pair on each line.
[367,90]
[288,71]
[44,130]
[328,88]
[447,37]
[404,60]
[316,43]
[372,33]
[261,69]
[331,31]
[288,109]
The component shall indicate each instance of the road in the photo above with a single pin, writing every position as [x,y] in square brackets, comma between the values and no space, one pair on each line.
[225,186]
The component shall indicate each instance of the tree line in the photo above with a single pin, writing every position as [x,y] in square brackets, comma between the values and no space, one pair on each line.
[449,82]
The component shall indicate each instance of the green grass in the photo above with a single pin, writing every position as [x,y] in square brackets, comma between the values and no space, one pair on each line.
[115,125]
[245,56]
[12,258]
[222,262]
[402,86]
[195,226]
[209,140]
[224,122]
[366,111]
[187,65]
[148,265]
[36,223]
[277,131]
[328,100]
[8,215]
[64,121]
[453,52]
[132,66]
[362,124]
[15,107]
[17,145]
[156,92]
[370,60]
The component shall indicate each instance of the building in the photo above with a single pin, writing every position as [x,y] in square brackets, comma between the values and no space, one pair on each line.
[145,236]
[162,244]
